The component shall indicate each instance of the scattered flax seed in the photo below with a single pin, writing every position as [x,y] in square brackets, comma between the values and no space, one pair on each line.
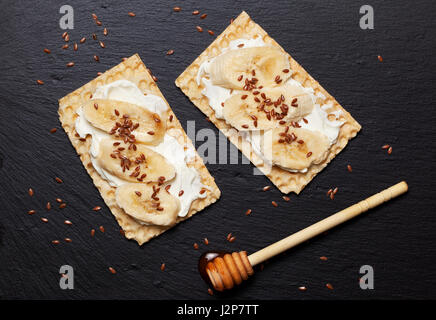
[65,46]
[286,198]
[199,29]
[99,74]
[122,232]
[274,204]
[62,205]
[138,193]
[329,192]
[59,200]
[70,64]
[335,190]
[195,12]
[64,35]
[170,52]
[285,70]
[47,51]
[349,168]
[154,78]
[76,47]
[68,222]
[329,286]
[302,288]
[48,206]
[96,208]
[332,196]
[112,270]
[248,212]
[58,180]
[68,240]
[67,38]
[232,239]
[211,32]
[210,291]
[44,220]
[229,236]
[94,16]
[53,130]
[386,146]
[132,14]
[196,246]
[181,192]
[171,118]
[101,228]
[177,9]
[231,20]
[98,22]
[105,32]
[92,232]
[94,36]
[96,58]
[30,192]
[162,267]
[390,150]
[102,44]
[55,242]
[31,212]
[308,154]
[83,40]
[206,241]
[380,58]
[203,16]
[323,258]
[266,188]
[40,82]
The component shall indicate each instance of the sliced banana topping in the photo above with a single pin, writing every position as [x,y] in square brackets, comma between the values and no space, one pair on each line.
[148,203]
[294,148]
[134,162]
[250,67]
[267,108]
[125,120]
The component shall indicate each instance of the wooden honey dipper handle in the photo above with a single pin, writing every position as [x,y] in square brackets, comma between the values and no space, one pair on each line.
[229,269]
[328,223]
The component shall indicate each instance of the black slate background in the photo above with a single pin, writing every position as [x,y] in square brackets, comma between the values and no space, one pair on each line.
[393,100]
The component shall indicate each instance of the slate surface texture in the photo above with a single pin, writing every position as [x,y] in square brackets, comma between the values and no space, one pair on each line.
[393,100]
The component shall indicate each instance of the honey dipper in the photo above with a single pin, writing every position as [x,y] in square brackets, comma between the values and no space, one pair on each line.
[223,270]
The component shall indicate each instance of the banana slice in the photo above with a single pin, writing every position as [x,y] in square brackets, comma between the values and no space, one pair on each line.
[125,119]
[148,203]
[294,148]
[256,66]
[134,163]
[265,109]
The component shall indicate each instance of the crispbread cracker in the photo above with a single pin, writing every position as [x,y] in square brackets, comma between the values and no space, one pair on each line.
[244,27]
[134,70]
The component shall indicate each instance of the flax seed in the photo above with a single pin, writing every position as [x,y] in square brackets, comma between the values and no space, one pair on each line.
[70,64]
[181,192]
[210,291]
[243,97]
[196,246]
[195,12]
[203,16]
[98,22]
[67,38]
[96,208]
[96,58]
[206,241]
[102,44]
[286,198]
[105,32]
[30,212]
[211,32]
[112,270]
[94,36]
[248,212]
[177,9]
[335,190]
[40,82]
[386,146]
[170,52]
[47,51]
[171,118]
[94,16]
[82,40]
[53,130]
[68,222]
[232,239]
[92,232]
[308,154]
[101,228]
[329,192]
[76,47]
[62,205]
[229,236]
[162,267]
[323,258]
[44,220]
[58,180]
[30,192]
[390,150]
[64,35]
[274,203]
[302,288]
[59,200]
[266,188]
[68,240]
[380,58]
[55,242]
[199,29]
[329,286]
[132,14]
[349,168]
